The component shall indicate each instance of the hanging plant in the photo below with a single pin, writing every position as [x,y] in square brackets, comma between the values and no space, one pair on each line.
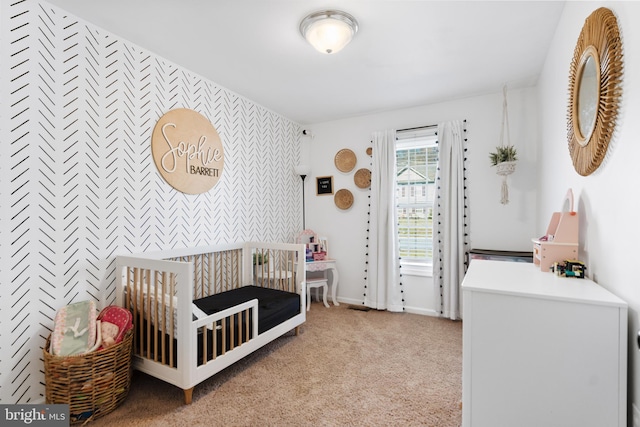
[503,154]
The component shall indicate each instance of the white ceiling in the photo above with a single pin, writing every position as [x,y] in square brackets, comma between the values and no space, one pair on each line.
[405,54]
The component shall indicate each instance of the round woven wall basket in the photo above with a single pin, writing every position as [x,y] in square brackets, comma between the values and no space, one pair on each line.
[343,199]
[505,168]
[362,178]
[345,160]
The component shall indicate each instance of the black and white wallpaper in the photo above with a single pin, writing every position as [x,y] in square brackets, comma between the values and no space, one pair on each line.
[78,184]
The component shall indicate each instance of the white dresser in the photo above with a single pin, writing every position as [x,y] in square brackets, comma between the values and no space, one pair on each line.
[541,350]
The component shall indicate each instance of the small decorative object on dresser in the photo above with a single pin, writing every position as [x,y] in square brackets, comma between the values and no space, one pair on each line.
[569,268]
[561,239]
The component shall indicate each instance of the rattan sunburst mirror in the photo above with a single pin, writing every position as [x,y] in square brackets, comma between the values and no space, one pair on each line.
[595,78]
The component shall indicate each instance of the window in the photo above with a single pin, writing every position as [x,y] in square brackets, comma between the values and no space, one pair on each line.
[416,163]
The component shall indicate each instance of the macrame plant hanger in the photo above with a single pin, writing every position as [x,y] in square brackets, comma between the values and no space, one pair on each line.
[505,169]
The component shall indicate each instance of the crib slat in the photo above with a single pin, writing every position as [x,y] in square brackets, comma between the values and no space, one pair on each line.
[290,277]
[132,282]
[216,280]
[227,269]
[205,344]
[232,332]
[246,326]
[215,340]
[237,278]
[146,310]
[200,276]
[161,346]
[209,273]
[224,336]
[155,314]
[172,285]
[203,277]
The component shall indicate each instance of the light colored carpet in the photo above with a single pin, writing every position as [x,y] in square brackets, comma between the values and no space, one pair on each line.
[346,368]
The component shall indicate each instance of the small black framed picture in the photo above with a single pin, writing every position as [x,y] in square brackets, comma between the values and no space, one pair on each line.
[324,185]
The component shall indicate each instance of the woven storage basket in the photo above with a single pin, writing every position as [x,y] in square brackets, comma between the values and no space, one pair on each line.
[92,384]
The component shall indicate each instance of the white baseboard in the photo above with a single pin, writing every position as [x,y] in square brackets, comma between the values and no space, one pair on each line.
[422,311]
[414,310]
[348,301]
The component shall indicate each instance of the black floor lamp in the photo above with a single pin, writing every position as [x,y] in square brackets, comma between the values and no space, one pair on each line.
[303,171]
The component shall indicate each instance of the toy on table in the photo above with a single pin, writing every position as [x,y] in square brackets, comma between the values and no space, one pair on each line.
[569,268]
[316,248]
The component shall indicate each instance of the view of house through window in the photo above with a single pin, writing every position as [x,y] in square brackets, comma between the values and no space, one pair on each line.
[416,163]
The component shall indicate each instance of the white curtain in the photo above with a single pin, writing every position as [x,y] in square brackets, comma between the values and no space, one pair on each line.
[451,247]
[383,278]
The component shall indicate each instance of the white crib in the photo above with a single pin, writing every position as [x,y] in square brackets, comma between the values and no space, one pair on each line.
[177,341]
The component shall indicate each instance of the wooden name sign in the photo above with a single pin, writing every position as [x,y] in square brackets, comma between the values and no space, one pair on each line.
[187,151]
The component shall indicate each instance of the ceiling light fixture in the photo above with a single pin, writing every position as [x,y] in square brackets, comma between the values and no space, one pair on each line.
[329,30]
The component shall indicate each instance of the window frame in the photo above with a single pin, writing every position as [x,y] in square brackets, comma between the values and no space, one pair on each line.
[426,139]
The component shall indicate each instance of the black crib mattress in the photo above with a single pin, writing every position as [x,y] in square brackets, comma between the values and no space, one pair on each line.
[274,306]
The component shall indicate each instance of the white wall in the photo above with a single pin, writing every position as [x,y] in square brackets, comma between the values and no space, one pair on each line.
[493,225]
[607,200]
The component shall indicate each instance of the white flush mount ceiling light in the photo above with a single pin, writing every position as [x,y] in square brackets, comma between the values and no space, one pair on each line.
[329,30]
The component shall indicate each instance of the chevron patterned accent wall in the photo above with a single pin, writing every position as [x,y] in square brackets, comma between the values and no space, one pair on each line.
[77,180]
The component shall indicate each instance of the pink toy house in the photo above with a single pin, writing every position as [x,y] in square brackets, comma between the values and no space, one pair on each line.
[561,241]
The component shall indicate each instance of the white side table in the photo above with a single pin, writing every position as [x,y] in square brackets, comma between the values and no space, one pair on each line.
[324,266]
